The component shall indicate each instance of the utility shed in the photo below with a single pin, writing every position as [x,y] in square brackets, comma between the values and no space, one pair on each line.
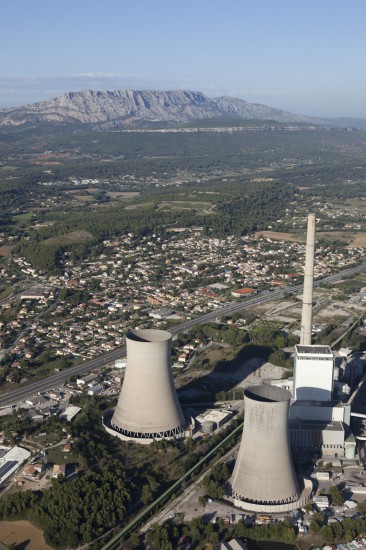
[350,504]
[69,413]
[217,416]
[322,476]
[321,501]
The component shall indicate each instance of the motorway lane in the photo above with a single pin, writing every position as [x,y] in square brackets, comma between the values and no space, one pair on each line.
[57,380]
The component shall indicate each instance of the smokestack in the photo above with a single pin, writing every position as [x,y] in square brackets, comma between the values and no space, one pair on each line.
[307,300]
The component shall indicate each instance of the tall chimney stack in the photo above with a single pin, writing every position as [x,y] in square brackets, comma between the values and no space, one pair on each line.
[307,300]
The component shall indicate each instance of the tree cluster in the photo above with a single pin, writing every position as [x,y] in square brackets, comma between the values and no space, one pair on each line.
[212,483]
[73,512]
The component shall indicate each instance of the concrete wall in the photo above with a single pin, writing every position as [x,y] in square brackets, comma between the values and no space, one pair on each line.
[310,411]
[313,375]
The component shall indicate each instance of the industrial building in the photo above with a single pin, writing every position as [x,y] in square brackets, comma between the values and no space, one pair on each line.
[11,460]
[313,373]
[318,422]
[212,419]
[277,421]
[264,479]
[148,406]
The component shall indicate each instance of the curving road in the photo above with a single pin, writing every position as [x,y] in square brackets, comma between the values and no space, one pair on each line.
[57,380]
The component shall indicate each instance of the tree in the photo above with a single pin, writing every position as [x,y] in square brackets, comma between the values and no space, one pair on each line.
[134,541]
[146,494]
[336,495]
[314,526]
[202,501]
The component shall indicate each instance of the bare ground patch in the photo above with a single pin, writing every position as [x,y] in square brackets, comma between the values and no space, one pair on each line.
[278,236]
[140,205]
[84,198]
[22,534]
[354,240]
[204,207]
[338,309]
[359,241]
[123,194]
[70,238]
[5,250]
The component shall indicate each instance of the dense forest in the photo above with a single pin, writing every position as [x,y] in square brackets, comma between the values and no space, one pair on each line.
[73,512]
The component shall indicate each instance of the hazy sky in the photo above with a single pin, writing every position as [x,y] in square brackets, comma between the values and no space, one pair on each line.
[305,56]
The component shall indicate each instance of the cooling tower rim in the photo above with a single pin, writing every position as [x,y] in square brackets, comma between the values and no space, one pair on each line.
[267,394]
[148,335]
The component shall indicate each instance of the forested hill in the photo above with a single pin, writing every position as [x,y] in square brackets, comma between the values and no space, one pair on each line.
[250,209]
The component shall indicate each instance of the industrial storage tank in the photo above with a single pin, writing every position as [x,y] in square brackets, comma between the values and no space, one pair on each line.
[148,406]
[264,476]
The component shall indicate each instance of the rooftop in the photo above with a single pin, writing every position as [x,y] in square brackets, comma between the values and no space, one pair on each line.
[314,350]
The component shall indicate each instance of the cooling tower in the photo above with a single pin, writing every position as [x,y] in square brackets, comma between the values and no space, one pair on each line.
[307,300]
[264,477]
[148,405]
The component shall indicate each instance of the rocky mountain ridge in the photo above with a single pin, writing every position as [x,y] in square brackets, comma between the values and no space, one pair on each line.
[126,108]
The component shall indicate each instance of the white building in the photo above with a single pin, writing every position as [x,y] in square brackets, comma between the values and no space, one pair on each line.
[313,373]
[321,501]
[11,461]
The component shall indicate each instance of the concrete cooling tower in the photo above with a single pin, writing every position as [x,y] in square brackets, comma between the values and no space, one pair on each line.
[263,478]
[148,406]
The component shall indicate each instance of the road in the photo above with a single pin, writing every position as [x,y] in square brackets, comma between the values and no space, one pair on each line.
[57,380]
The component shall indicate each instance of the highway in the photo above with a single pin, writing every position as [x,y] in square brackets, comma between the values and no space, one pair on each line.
[57,380]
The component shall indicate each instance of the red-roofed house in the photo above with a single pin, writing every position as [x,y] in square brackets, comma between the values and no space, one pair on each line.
[240,292]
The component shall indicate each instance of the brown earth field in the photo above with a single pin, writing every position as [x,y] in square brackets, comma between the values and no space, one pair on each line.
[5,250]
[359,241]
[355,240]
[23,534]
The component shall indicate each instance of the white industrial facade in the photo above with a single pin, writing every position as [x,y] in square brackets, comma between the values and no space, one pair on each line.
[313,373]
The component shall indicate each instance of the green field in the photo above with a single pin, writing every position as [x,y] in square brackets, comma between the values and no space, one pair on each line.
[22,220]
[58,456]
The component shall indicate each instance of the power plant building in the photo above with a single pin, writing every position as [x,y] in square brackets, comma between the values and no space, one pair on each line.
[317,421]
[148,407]
[313,373]
[264,479]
